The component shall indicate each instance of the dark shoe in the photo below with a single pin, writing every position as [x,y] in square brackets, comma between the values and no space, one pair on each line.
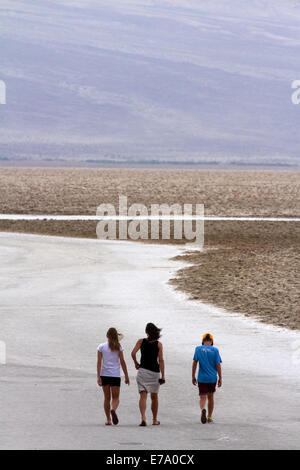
[203,416]
[143,423]
[114,416]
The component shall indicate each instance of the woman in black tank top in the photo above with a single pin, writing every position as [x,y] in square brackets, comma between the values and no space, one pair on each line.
[149,370]
[149,355]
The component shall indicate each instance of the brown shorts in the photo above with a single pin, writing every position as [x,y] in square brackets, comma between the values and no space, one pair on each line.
[204,388]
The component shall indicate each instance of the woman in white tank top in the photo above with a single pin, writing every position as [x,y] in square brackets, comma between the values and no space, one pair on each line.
[110,360]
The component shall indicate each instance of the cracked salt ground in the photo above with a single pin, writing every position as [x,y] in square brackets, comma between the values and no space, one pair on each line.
[53,318]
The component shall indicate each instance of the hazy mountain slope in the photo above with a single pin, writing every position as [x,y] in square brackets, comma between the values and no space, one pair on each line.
[157,79]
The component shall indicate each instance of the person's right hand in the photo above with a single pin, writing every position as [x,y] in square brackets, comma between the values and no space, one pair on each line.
[127,381]
[194,381]
[220,383]
[137,366]
[99,381]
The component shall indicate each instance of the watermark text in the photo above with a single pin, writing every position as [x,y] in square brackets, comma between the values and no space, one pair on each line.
[163,222]
[2,353]
[296,352]
[296,94]
[2,92]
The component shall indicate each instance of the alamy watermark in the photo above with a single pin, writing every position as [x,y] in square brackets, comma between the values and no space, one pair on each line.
[163,222]
[296,352]
[2,92]
[296,94]
[2,353]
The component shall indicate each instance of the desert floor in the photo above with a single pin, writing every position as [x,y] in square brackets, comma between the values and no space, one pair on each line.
[247,267]
[58,298]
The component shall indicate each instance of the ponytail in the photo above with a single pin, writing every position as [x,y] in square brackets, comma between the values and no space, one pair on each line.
[114,339]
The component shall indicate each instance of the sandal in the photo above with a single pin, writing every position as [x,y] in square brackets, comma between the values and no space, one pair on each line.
[203,416]
[157,423]
[143,423]
[114,416]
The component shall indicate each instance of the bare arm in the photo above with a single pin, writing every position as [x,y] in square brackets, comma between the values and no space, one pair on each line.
[219,369]
[136,348]
[124,367]
[161,360]
[194,368]
[99,361]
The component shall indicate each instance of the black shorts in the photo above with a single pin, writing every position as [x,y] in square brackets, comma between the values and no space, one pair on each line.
[205,388]
[112,381]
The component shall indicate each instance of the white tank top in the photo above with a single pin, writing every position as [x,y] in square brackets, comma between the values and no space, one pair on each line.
[110,366]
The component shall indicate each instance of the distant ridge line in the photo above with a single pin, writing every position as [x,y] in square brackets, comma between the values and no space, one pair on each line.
[191,163]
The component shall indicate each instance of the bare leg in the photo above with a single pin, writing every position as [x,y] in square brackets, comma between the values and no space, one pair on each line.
[203,409]
[115,392]
[211,403]
[154,406]
[203,401]
[106,391]
[143,404]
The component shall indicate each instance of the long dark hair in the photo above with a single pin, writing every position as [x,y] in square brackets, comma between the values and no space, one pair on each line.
[153,332]
[114,339]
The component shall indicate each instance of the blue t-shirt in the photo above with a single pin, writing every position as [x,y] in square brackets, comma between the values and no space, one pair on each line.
[208,358]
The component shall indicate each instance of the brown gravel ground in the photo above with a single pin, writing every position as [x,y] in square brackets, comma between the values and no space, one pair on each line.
[247,267]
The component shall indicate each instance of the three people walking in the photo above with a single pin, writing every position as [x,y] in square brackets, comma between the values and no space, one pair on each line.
[151,373]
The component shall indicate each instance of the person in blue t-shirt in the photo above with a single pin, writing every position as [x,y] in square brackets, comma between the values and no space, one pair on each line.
[209,360]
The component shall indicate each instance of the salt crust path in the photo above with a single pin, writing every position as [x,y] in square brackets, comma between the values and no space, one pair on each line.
[58,296]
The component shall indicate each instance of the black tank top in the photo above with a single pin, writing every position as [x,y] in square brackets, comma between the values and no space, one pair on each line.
[149,355]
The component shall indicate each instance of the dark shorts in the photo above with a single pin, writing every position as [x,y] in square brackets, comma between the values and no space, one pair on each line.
[204,388]
[112,381]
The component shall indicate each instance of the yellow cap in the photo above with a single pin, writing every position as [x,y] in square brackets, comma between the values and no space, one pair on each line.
[207,336]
